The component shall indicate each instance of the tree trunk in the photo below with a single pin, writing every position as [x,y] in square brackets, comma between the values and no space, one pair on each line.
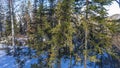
[12,22]
[85,54]
[70,61]
[86,36]
[101,62]
[59,63]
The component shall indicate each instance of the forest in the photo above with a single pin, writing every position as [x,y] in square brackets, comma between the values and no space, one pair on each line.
[59,34]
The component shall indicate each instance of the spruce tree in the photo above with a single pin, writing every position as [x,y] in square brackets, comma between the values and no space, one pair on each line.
[63,31]
[94,30]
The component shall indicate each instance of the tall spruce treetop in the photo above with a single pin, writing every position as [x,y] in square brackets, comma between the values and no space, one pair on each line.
[93,29]
[63,31]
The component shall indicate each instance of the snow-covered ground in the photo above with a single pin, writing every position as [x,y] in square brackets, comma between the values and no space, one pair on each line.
[23,59]
[10,61]
[7,61]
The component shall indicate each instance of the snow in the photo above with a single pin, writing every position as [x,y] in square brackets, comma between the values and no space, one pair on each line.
[29,62]
[10,61]
[7,61]
[2,53]
[23,59]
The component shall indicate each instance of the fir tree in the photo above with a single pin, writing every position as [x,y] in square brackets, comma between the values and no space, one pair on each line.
[62,33]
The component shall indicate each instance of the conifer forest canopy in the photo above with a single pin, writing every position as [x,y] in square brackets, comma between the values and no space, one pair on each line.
[59,34]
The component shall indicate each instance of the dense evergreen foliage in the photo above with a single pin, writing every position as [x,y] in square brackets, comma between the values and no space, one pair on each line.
[78,30]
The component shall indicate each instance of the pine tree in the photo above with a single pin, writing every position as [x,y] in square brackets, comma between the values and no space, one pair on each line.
[63,31]
[93,25]
[8,22]
[1,18]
